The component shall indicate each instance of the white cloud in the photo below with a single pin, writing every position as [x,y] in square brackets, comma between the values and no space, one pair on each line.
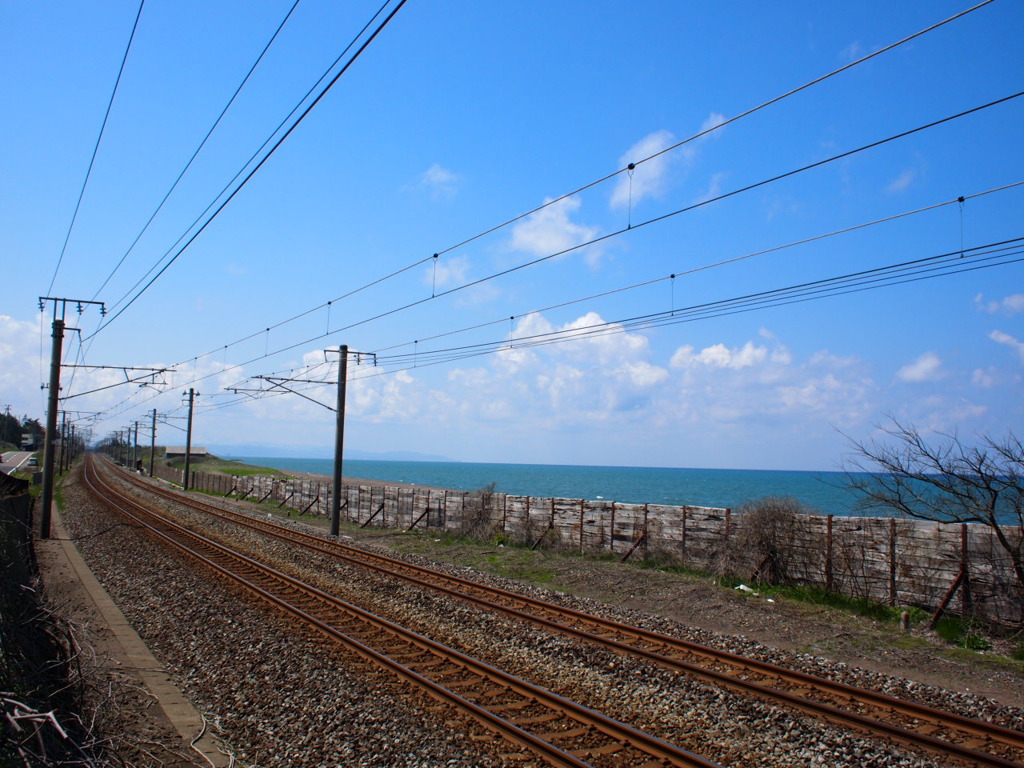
[588,379]
[943,414]
[642,373]
[852,52]
[720,356]
[551,229]
[1011,305]
[926,367]
[380,399]
[901,182]
[447,272]
[983,378]
[714,188]
[439,182]
[649,178]
[753,384]
[713,120]
[608,347]
[1010,341]
[25,363]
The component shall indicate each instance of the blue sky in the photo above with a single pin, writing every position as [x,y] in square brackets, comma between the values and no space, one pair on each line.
[461,117]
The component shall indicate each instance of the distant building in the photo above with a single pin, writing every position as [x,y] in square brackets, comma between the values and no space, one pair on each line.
[178,452]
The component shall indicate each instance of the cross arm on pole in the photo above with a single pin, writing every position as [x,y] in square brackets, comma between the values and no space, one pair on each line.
[280,384]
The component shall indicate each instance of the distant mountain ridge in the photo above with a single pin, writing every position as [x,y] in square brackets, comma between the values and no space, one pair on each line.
[255,450]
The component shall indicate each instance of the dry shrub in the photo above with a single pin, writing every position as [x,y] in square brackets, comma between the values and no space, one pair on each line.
[767,546]
[478,514]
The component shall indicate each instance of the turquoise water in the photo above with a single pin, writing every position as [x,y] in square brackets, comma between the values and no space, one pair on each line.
[825,492]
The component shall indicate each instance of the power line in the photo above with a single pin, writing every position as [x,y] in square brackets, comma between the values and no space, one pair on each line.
[256,168]
[942,265]
[719,126]
[648,222]
[201,145]
[616,233]
[693,270]
[950,263]
[96,148]
[677,274]
[533,211]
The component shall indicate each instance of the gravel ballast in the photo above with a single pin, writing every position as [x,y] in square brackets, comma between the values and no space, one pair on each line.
[284,698]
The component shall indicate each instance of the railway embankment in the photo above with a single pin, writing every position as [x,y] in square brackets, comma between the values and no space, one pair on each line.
[933,567]
[557,661]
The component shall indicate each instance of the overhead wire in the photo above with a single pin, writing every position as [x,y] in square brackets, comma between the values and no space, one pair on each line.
[941,265]
[255,154]
[719,125]
[373,35]
[682,272]
[199,148]
[602,238]
[679,273]
[321,306]
[95,149]
[578,190]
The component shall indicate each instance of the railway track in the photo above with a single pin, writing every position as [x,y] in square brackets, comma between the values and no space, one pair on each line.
[560,731]
[968,741]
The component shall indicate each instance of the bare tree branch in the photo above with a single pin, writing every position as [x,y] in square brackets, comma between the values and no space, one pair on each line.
[945,480]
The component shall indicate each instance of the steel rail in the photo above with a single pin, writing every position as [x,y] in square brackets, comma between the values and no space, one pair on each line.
[214,555]
[928,717]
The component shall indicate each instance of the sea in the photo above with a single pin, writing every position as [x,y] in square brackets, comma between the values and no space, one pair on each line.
[820,492]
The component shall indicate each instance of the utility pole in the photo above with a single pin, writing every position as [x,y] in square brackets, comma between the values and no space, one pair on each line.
[135,448]
[65,443]
[51,427]
[339,440]
[339,434]
[59,308]
[192,394]
[152,444]
[63,455]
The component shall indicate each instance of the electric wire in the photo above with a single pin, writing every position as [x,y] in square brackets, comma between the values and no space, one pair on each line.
[648,222]
[601,238]
[703,267]
[746,113]
[199,148]
[719,125]
[942,265]
[252,157]
[677,274]
[945,264]
[95,149]
[256,168]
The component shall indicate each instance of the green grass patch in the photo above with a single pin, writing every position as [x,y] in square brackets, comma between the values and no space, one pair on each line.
[244,471]
[215,465]
[961,633]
